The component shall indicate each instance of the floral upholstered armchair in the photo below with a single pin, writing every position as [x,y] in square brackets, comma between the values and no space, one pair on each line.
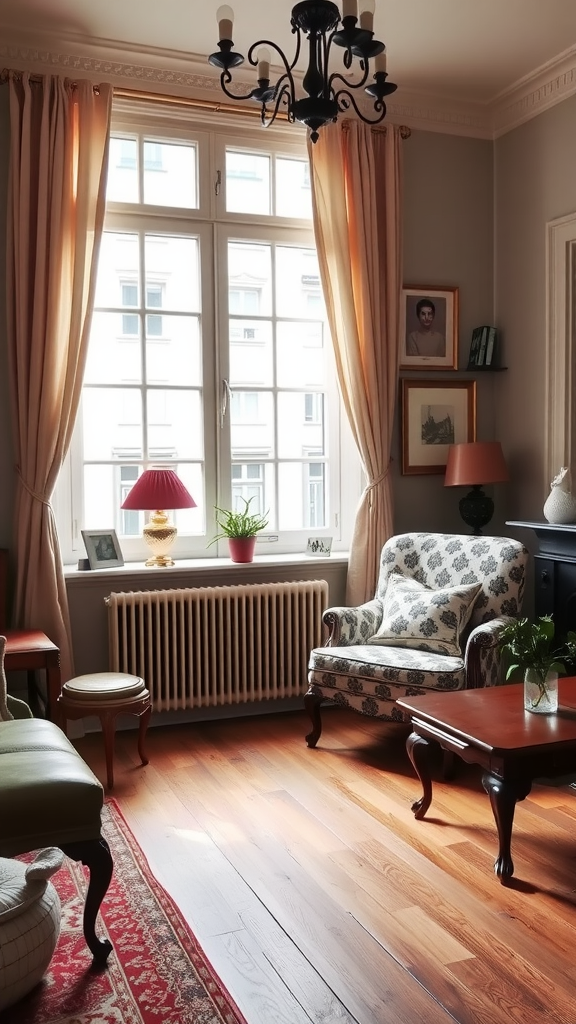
[440,603]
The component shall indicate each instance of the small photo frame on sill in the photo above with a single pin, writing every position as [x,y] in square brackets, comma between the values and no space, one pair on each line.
[429,328]
[435,415]
[102,548]
[319,546]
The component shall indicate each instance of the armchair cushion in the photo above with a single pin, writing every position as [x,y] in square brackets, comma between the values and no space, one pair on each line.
[423,619]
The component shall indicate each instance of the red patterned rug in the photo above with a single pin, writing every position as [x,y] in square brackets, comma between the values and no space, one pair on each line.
[156,972]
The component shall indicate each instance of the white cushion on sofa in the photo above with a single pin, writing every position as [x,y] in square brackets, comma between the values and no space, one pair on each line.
[423,619]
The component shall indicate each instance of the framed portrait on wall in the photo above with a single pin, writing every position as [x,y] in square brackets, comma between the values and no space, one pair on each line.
[429,328]
[434,416]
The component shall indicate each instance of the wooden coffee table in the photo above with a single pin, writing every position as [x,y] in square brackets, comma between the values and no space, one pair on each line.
[489,727]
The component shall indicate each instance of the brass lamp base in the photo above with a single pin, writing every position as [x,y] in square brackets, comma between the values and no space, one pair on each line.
[160,535]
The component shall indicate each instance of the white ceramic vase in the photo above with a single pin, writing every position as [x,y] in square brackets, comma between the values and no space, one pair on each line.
[560,505]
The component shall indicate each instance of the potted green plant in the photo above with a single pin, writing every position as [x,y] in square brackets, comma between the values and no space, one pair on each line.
[530,648]
[241,528]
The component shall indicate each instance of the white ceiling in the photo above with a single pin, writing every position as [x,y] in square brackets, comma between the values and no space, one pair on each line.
[474,52]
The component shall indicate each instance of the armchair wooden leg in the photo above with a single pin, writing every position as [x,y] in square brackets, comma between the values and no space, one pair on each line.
[98,859]
[312,704]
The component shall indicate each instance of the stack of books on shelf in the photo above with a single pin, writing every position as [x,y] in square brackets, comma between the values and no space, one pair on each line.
[483,348]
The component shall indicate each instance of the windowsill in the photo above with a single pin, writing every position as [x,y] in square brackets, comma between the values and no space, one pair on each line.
[215,566]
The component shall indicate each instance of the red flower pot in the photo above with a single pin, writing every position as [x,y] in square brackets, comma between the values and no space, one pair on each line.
[241,548]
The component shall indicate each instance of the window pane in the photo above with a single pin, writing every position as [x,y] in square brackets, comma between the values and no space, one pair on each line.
[296,435]
[122,185]
[301,358]
[173,263]
[298,290]
[252,423]
[112,420]
[247,182]
[301,497]
[249,278]
[170,174]
[174,424]
[250,352]
[293,192]
[113,356]
[102,491]
[118,270]
[191,520]
[176,358]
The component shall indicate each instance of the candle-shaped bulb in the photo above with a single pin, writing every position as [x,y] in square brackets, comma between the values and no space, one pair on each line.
[349,9]
[263,57]
[225,19]
[367,15]
[380,61]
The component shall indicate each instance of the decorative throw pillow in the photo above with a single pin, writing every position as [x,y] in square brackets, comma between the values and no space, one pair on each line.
[426,620]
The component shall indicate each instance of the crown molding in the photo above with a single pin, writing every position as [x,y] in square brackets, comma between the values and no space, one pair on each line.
[550,84]
[180,74]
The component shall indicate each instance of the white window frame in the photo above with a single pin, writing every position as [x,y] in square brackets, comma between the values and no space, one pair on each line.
[215,226]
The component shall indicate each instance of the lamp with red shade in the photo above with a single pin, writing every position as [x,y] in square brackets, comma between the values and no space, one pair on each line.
[155,490]
[474,464]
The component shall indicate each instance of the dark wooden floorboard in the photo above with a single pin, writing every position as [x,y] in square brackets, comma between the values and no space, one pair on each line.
[319,898]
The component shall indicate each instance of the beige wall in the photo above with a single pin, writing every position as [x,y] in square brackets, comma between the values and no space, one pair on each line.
[448,240]
[535,174]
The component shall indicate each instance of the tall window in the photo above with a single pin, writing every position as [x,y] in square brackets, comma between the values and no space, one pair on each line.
[209,348]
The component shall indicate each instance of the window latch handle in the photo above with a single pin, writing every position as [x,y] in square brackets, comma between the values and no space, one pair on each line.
[225,398]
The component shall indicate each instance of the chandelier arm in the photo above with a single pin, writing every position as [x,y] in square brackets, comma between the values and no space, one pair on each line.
[225,78]
[337,77]
[268,42]
[286,92]
[345,99]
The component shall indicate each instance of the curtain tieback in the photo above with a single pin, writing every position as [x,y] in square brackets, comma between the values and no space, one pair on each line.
[31,492]
[377,481]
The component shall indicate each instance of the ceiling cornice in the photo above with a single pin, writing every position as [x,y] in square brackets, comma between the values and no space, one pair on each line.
[173,72]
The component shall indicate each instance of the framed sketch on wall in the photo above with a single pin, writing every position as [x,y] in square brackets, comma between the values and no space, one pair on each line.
[434,416]
[429,328]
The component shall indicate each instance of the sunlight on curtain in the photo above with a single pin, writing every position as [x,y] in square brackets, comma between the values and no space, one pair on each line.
[56,198]
[356,190]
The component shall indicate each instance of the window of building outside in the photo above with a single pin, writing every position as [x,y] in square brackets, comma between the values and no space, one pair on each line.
[209,350]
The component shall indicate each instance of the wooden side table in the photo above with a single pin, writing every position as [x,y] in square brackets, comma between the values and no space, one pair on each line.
[490,727]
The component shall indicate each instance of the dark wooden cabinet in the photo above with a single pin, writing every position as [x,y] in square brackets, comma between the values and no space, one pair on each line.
[554,573]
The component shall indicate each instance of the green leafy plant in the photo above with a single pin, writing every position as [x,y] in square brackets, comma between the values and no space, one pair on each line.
[238,524]
[529,645]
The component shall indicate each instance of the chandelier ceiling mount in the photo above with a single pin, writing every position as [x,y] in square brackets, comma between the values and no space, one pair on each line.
[327,93]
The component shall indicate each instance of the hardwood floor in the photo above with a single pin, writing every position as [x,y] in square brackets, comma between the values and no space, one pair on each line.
[319,898]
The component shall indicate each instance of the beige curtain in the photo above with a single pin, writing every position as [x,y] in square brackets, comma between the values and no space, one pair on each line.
[58,163]
[357,208]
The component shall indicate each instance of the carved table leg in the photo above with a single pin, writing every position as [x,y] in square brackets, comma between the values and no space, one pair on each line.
[312,704]
[418,749]
[96,855]
[503,799]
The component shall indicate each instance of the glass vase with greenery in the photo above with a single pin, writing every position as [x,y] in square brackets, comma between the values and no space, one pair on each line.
[530,648]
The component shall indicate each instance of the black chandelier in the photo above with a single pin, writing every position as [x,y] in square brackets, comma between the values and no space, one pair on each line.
[326,94]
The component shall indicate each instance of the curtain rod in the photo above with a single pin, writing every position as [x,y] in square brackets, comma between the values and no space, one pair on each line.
[7,73]
[213,106]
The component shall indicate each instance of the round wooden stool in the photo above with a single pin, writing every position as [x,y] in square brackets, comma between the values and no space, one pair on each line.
[107,694]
